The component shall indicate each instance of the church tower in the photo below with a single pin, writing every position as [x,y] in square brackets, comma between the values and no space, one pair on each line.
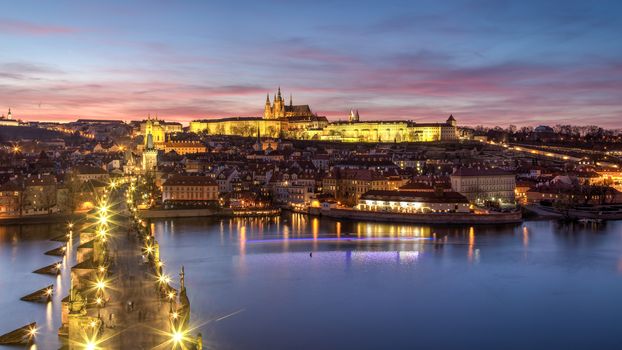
[267,111]
[451,120]
[155,129]
[150,155]
[279,105]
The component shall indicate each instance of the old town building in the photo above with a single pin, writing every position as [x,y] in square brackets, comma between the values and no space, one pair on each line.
[189,188]
[347,185]
[480,185]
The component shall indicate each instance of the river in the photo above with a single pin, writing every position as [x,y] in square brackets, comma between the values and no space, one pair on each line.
[297,282]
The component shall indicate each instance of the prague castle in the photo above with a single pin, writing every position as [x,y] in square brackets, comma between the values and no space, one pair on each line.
[280,110]
[299,122]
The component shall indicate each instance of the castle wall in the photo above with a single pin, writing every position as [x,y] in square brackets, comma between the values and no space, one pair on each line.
[241,127]
[384,132]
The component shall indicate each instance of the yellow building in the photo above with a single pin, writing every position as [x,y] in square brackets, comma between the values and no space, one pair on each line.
[299,122]
[155,129]
[278,109]
[385,131]
[8,120]
[242,126]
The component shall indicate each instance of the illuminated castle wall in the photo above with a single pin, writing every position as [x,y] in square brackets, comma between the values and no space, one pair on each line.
[386,131]
[242,126]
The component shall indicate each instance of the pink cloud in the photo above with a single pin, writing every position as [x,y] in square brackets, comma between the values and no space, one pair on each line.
[29,28]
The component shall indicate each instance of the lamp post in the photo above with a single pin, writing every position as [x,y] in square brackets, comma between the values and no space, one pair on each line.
[99,301]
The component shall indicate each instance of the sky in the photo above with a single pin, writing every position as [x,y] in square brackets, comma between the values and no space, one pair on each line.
[487,62]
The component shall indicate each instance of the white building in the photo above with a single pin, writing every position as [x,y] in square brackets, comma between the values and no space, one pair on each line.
[414,202]
[484,184]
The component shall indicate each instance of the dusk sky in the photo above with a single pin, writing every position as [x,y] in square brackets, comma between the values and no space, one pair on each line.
[486,62]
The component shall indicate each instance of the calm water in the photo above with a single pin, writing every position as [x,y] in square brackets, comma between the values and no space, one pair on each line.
[253,285]
[21,252]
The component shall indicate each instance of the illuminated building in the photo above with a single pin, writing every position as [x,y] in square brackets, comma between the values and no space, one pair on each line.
[355,130]
[155,129]
[150,155]
[299,122]
[414,202]
[10,197]
[348,185]
[8,120]
[278,109]
[189,188]
[481,185]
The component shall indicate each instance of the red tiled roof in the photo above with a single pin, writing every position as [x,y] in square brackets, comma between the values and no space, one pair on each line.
[481,172]
[185,180]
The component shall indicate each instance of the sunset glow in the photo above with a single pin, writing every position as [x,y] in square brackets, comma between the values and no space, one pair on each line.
[485,62]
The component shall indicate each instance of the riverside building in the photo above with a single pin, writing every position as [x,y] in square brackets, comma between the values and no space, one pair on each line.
[481,185]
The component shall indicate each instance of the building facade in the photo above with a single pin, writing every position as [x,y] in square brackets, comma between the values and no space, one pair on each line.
[189,188]
[482,185]
[299,122]
[348,185]
[414,202]
[184,147]
[150,156]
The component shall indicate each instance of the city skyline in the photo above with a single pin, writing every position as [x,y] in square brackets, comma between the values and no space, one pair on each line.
[484,62]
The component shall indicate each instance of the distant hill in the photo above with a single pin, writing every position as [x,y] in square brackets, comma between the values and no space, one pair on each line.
[16,133]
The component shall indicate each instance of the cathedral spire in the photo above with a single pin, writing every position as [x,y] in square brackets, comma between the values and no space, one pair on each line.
[268,98]
[280,93]
[290,100]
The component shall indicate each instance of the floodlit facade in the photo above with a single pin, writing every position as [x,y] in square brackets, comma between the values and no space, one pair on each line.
[299,122]
[414,202]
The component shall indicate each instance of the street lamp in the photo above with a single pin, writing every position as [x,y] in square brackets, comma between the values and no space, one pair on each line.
[100,285]
[90,345]
[103,219]
[164,279]
[99,301]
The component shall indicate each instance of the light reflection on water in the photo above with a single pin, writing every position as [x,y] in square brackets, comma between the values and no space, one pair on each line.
[309,283]
[253,283]
[22,251]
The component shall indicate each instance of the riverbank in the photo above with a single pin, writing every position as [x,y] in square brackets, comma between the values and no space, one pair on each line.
[428,218]
[597,213]
[204,212]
